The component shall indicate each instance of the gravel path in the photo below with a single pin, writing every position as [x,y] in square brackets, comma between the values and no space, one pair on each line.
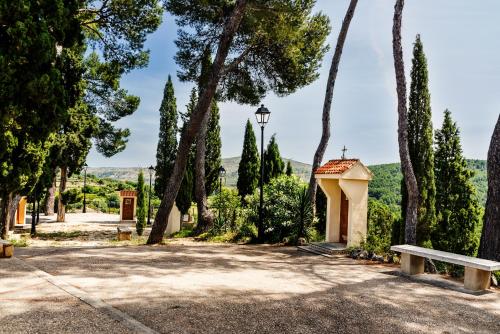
[187,287]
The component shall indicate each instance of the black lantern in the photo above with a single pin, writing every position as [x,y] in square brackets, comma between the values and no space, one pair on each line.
[262,115]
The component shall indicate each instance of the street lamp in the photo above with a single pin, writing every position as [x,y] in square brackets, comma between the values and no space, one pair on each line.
[151,170]
[262,115]
[85,166]
[222,174]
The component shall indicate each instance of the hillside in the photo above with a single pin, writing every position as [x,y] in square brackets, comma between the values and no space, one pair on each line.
[385,186]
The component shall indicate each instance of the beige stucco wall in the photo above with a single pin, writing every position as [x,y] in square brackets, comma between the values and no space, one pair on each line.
[357,193]
[354,183]
[332,191]
[174,221]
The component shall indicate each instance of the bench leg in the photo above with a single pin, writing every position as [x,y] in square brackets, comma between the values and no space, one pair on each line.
[477,279]
[411,264]
[6,250]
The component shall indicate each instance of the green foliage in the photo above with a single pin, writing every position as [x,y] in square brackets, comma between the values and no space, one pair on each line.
[72,196]
[99,204]
[457,207]
[228,204]
[420,143]
[166,149]
[289,170]
[290,34]
[273,164]
[33,101]
[283,208]
[380,224]
[212,155]
[141,205]
[249,166]
[185,195]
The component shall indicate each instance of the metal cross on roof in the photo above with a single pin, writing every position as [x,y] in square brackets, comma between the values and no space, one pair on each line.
[343,152]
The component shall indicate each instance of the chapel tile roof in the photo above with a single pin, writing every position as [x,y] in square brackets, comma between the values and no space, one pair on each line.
[337,166]
[128,193]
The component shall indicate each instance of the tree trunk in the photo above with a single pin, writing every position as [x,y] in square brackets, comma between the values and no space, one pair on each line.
[12,211]
[406,167]
[490,236]
[205,216]
[188,136]
[61,209]
[327,104]
[5,215]
[50,197]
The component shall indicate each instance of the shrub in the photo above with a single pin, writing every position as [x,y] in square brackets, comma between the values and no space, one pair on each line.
[380,223]
[229,204]
[99,204]
[284,209]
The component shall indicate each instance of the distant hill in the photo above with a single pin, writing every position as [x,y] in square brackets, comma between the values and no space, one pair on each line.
[385,186]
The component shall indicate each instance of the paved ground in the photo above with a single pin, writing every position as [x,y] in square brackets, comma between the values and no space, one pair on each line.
[186,287]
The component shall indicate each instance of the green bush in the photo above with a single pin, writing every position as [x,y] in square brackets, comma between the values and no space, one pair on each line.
[380,224]
[72,196]
[99,204]
[228,204]
[285,209]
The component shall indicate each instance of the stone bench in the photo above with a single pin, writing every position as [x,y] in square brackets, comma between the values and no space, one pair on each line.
[124,233]
[6,248]
[477,271]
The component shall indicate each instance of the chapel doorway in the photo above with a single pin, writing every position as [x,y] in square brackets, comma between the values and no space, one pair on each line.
[344,217]
[128,209]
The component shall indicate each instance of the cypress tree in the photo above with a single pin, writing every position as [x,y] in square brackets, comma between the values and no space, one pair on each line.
[420,143]
[141,204]
[457,207]
[213,152]
[249,167]
[186,191]
[289,169]
[166,149]
[273,164]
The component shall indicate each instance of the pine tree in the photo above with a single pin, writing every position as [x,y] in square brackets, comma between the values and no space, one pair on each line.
[241,72]
[420,141]
[289,169]
[166,149]
[249,166]
[273,164]
[141,204]
[185,195]
[457,207]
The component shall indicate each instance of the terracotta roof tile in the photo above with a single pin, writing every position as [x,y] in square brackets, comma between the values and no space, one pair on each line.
[128,193]
[338,166]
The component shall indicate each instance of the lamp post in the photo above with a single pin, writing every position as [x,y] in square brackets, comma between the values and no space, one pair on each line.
[85,166]
[151,170]
[262,115]
[222,174]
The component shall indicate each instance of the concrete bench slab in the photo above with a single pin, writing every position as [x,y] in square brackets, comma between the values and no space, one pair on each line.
[124,233]
[6,248]
[477,271]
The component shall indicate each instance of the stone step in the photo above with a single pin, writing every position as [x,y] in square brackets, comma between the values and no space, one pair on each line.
[328,248]
[312,250]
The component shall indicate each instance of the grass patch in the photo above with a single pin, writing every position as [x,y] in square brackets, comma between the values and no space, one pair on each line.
[185,233]
[60,235]
[23,242]
[136,241]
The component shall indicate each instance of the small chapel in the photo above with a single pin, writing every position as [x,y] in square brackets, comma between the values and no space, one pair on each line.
[345,184]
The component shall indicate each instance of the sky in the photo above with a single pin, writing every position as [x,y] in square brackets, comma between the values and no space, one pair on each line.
[462,45]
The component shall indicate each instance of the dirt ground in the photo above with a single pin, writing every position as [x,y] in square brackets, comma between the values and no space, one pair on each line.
[189,287]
